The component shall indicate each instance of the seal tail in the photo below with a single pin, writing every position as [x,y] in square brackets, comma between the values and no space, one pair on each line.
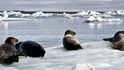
[108,39]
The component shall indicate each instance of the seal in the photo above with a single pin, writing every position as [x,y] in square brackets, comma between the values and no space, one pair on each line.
[70,42]
[8,52]
[30,48]
[117,40]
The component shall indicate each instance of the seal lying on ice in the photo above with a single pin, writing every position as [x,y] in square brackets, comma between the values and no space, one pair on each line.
[8,52]
[30,48]
[70,42]
[117,40]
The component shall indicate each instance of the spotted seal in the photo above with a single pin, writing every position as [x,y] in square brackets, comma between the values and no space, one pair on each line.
[30,48]
[70,42]
[117,40]
[8,52]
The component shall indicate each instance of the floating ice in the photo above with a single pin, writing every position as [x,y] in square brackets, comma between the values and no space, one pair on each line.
[40,14]
[100,19]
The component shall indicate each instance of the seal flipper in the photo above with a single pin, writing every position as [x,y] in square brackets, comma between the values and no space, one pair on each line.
[79,46]
[108,39]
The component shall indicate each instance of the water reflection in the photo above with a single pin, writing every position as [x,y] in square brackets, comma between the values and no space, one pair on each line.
[6,28]
[99,25]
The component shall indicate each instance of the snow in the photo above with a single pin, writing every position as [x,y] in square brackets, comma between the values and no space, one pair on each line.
[37,14]
[84,67]
[91,18]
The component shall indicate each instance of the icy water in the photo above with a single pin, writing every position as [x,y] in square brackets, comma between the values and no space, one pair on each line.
[49,31]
